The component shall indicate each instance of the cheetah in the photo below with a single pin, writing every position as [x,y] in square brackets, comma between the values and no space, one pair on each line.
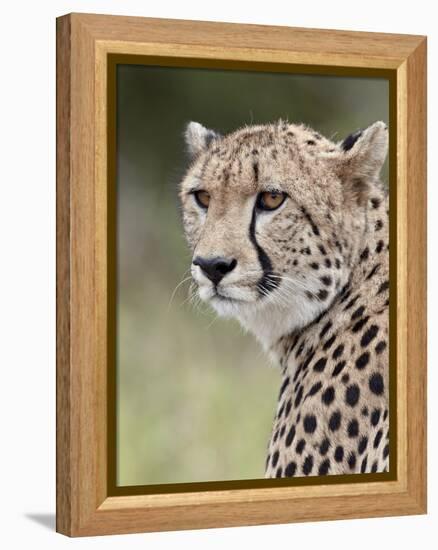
[289,235]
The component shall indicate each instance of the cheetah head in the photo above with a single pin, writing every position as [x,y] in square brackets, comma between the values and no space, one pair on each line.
[273,214]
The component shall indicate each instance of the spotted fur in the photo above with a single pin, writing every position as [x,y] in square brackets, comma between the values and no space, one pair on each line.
[309,280]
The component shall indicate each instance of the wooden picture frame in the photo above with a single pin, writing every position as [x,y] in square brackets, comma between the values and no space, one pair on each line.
[87,48]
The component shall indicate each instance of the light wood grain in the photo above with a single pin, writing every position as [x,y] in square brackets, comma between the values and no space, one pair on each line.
[416,279]
[83,504]
[318,43]
[63,280]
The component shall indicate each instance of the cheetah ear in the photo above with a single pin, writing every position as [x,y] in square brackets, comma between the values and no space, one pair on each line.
[198,138]
[361,158]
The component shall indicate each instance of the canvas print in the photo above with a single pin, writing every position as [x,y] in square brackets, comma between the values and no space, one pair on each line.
[252,275]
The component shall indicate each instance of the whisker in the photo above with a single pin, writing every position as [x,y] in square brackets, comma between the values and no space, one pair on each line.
[175,291]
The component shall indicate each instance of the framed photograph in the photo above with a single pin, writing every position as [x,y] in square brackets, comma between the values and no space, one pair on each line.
[241,274]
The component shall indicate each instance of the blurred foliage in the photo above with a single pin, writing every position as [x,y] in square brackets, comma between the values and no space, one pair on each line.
[196,397]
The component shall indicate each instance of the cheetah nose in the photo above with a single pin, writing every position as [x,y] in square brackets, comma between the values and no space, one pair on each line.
[215,268]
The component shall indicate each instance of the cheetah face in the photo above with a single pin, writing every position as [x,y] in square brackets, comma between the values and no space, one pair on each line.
[264,212]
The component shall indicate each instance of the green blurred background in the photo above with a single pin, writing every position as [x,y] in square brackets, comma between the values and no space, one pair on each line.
[195,395]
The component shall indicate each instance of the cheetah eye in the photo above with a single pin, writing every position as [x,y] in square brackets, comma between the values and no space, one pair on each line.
[202,198]
[270,200]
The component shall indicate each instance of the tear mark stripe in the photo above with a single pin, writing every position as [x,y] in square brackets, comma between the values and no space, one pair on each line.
[268,281]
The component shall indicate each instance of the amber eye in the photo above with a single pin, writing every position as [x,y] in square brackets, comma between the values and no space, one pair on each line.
[270,200]
[202,198]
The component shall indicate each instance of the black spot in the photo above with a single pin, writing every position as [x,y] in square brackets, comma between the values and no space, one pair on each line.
[353,428]
[328,396]
[327,262]
[279,472]
[364,411]
[300,350]
[363,466]
[319,366]
[335,421]
[288,408]
[338,351]
[290,469]
[378,439]
[375,202]
[290,436]
[322,249]
[275,457]
[275,436]
[362,444]
[329,343]
[352,461]
[280,412]
[345,378]
[372,272]
[360,324]
[255,166]
[376,383]
[308,465]
[298,397]
[300,446]
[386,451]
[345,294]
[385,414]
[324,467]
[375,417]
[350,140]
[297,372]
[314,389]
[379,225]
[358,313]
[351,303]
[369,335]
[309,358]
[374,467]
[384,286]
[325,329]
[309,423]
[322,294]
[380,246]
[283,429]
[363,360]
[380,347]
[339,453]
[310,142]
[326,280]
[284,386]
[364,254]
[352,394]
[314,265]
[324,447]
[337,263]
[338,368]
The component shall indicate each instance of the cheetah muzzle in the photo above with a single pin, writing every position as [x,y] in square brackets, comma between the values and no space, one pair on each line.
[289,234]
